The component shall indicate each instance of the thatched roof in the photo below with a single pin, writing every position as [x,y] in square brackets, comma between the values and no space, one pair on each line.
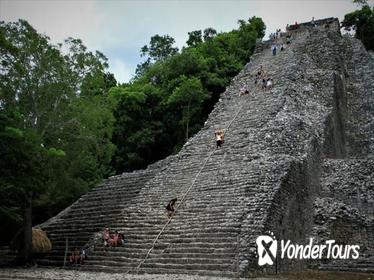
[40,241]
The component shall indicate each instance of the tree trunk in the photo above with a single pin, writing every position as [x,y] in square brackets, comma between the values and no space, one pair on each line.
[27,231]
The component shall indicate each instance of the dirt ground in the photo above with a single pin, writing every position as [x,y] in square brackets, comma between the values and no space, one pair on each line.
[62,274]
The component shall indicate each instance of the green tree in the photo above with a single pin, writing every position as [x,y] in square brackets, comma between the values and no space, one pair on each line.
[137,126]
[160,48]
[142,68]
[87,69]
[21,177]
[188,96]
[30,69]
[55,102]
[360,2]
[362,21]
[209,33]
[110,81]
[194,38]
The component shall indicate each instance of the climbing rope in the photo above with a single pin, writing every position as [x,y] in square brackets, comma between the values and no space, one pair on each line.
[185,194]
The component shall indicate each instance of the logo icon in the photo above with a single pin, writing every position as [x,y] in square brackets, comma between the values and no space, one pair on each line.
[266,249]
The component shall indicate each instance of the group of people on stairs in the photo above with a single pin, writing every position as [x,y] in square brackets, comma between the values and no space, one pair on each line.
[113,239]
[267,82]
[77,256]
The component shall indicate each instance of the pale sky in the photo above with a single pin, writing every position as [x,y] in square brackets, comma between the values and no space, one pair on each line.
[119,28]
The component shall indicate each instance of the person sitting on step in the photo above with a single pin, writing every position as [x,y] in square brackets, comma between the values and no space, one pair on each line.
[264,83]
[170,208]
[121,239]
[113,241]
[75,256]
[106,236]
[82,255]
[259,74]
[243,91]
[269,83]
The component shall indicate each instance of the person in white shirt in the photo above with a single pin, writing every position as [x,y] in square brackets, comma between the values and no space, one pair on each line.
[219,138]
[269,83]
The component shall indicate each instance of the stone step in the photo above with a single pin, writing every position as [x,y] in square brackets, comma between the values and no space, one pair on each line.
[185,229]
[163,244]
[174,238]
[164,259]
[187,210]
[187,266]
[171,254]
[157,225]
[113,269]
[347,267]
[189,271]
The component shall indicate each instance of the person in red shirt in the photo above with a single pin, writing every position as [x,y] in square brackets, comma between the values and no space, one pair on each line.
[114,240]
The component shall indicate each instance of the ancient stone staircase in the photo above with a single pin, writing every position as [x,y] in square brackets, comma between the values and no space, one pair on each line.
[78,223]
[265,177]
